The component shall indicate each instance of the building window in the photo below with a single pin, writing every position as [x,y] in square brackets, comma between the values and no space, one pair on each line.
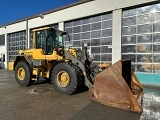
[141,38]
[2,40]
[16,41]
[95,32]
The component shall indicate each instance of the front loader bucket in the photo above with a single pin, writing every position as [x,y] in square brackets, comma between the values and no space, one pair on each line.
[117,86]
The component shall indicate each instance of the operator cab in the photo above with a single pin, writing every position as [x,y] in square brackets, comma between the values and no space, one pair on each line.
[49,39]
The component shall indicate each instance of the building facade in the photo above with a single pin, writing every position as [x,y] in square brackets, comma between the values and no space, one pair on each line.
[112,30]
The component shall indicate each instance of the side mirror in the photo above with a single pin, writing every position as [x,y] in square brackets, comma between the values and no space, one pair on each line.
[66,36]
[64,33]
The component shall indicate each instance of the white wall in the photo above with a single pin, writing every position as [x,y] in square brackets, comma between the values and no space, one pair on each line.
[116,39]
[16,27]
[3,48]
[83,10]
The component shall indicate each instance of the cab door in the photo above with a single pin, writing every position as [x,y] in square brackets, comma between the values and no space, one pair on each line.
[39,41]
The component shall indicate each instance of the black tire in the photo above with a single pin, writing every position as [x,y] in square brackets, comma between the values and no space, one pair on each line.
[26,81]
[74,82]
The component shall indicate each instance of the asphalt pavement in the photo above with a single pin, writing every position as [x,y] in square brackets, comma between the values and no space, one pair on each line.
[41,102]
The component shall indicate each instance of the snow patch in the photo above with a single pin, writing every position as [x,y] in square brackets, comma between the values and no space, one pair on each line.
[151,106]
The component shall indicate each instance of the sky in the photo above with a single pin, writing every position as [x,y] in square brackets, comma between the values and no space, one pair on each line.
[12,10]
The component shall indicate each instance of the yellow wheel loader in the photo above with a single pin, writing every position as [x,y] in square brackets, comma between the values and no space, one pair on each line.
[69,68]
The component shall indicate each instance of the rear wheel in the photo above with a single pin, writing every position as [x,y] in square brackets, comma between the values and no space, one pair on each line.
[65,78]
[23,74]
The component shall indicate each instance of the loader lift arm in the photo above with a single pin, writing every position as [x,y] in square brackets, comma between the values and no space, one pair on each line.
[88,76]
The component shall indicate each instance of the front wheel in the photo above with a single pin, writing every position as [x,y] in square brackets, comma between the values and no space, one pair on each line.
[65,78]
[23,74]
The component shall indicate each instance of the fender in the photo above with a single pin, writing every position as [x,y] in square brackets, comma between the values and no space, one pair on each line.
[22,58]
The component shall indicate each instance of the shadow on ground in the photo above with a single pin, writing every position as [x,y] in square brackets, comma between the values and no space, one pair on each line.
[96,111]
[42,81]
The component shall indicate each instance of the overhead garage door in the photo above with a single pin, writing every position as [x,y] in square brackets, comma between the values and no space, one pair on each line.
[96,32]
[16,41]
[141,38]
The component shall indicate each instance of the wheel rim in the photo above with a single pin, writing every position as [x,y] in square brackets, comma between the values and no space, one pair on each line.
[21,74]
[63,78]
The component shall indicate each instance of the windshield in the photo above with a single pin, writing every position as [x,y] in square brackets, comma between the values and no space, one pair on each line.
[58,37]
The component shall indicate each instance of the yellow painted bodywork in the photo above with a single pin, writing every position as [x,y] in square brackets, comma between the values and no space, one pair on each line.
[63,78]
[11,66]
[21,74]
[73,52]
[38,54]
[46,73]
